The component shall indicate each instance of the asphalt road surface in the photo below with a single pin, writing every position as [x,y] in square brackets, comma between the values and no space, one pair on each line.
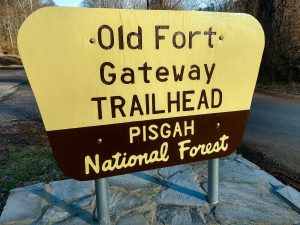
[12,74]
[273,126]
[19,105]
[274,129]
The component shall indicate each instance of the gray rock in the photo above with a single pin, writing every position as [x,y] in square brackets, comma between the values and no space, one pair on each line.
[71,190]
[235,171]
[292,195]
[208,215]
[196,218]
[246,162]
[178,215]
[252,204]
[265,177]
[166,213]
[200,168]
[170,171]
[22,205]
[53,215]
[182,190]
[254,175]
[76,221]
[83,203]
[151,172]
[238,170]
[120,201]
[140,180]
[30,188]
[247,195]
[183,217]
[133,218]
[231,156]
[149,192]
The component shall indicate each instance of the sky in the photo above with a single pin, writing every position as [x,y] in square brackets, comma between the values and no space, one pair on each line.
[67,2]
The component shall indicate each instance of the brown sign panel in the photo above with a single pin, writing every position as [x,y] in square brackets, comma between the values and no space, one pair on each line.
[175,141]
[121,91]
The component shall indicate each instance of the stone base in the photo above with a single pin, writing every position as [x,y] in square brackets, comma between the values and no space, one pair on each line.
[174,195]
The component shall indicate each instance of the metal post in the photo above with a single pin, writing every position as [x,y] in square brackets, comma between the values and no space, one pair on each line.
[213,181]
[102,202]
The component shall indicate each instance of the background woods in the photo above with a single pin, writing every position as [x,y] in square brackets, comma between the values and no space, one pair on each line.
[279,19]
[12,15]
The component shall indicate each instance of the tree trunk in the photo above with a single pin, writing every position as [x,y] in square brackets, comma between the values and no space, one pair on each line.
[156,4]
[9,25]
[31,8]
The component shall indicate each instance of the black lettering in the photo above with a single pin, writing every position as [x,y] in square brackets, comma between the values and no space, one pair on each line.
[145,69]
[176,101]
[115,106]
[191,35]
[112,75]
[128,72]
[209,73]
[178,77]
[194,70]
[121,37]
[111,33]
[213,104]
[178,33]
[139,39]
[99,105]
[186,100]
[154,111]
[147,104]
[203,100]
[157,36]
[161,74]
[136,106]
[210,33]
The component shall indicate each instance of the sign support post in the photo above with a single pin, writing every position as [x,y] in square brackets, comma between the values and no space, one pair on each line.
[213,180]
[102,202]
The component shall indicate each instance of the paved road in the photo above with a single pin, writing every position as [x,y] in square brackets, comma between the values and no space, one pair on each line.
[12,74]
[273,127]
[10,79]
[18,102]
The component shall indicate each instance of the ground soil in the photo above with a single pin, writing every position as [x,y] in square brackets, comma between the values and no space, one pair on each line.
[19,134]
[15,136]
[290,91]
[7,60]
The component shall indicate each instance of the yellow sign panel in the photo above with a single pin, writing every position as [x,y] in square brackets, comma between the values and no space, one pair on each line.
[117,66]
[144,78]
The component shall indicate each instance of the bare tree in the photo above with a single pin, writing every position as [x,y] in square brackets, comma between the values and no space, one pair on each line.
[164,4]
[135,4]
[13,13]
[103,3]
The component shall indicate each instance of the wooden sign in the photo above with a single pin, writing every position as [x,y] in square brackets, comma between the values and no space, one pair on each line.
[121,91]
